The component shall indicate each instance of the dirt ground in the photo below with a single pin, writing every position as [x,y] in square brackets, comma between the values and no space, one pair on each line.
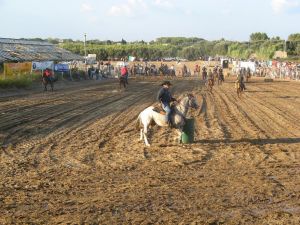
[74,157]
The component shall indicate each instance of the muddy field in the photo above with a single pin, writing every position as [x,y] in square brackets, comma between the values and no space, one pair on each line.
[74,157]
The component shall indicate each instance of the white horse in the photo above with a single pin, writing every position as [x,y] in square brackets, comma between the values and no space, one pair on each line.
[149,116]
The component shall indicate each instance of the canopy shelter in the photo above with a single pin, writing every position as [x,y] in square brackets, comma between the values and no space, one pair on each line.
[18,50]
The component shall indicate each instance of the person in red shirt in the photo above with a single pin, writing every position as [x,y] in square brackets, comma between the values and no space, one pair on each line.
[48,74]
[48,79]
[124,73]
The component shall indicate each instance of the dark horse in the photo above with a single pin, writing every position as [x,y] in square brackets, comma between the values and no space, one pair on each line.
[210,85]
[239,88]
[46,81]
[122,81]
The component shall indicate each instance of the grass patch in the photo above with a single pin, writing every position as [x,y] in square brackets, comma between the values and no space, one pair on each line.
[16,82]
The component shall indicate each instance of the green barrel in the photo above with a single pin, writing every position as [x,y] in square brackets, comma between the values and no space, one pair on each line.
[188,131]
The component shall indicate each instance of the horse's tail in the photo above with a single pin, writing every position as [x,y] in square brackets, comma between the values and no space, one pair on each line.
[138,122]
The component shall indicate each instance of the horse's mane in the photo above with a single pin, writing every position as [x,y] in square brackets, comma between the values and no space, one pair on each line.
[182,96]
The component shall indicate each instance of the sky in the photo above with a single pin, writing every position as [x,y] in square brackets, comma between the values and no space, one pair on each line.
[148,19]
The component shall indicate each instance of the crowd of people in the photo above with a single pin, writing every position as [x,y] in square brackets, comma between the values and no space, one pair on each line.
[101,70]
[284,70]
[149,69]
[273,69]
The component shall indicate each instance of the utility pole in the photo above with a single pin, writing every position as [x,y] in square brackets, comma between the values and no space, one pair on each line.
[85,59]
[85,48]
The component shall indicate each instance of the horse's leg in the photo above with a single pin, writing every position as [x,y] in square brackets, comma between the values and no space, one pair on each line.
[179,132]
[52,86]
[45,84]
[239,92]
[141,134]
[145,131]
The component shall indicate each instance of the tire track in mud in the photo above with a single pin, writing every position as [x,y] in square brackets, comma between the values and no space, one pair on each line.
[236,126]
[111,135]
[287,126]
[106,130]
[54,114]
[206,130]
[18,101]
[251,114]
[217,127]
[263,114]
[247,121]
[282,96]
[233,115]
[73,181]
[55,97]
[276,183]
[277,107]
[60,116]
[262,127]
[272,152]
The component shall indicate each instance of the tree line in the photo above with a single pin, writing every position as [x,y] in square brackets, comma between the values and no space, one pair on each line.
[259,46]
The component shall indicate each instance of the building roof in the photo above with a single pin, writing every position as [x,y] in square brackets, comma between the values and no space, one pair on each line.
[18,50]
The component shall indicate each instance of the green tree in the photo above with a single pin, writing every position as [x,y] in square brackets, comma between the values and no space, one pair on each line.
[220,48]
[258,36]
[294,37]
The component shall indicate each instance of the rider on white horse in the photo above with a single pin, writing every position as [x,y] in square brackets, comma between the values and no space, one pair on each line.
[164,96]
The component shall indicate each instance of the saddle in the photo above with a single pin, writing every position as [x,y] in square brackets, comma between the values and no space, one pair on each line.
[159,109]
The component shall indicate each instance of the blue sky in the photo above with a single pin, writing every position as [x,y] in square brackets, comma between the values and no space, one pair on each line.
[148,19]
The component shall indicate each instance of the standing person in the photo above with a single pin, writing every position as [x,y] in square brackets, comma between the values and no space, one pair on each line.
[204,73]
[101,69]
[220,76]
[164,96]
[185,71]
[210,77]
[196,70]
[132,70]
[248,74]
[124,73]
[240,79]
[90,72]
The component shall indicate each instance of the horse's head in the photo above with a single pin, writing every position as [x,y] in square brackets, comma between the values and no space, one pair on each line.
[188,101]
[192,101]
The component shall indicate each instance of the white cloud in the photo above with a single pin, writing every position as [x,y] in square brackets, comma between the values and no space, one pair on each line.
[226,12]
[164,3]
[280,6]
[85,7]
[188,12]
[129,8]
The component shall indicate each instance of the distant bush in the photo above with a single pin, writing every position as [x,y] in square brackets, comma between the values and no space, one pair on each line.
[259,45]
[18,82]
